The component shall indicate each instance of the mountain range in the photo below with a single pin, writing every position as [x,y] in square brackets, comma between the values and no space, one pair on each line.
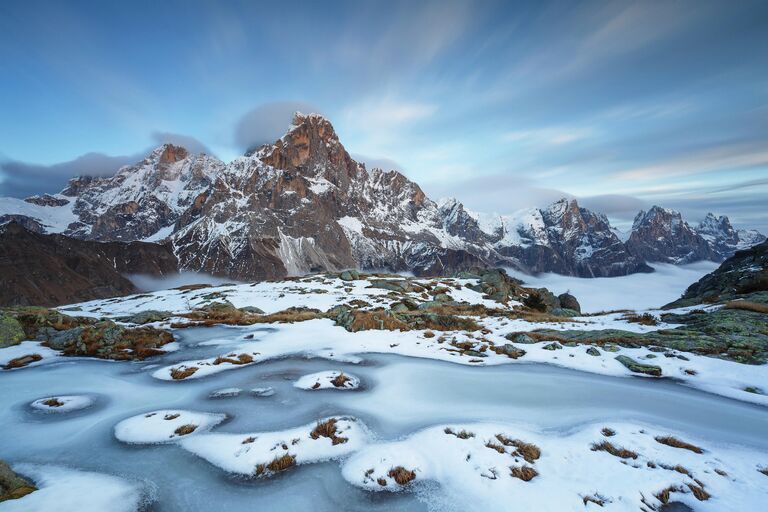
[303,204]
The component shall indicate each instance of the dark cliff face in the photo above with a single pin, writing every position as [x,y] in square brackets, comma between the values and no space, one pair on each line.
[50,270]
[661,235]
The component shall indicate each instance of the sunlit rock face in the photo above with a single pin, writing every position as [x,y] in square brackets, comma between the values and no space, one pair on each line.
[303,204]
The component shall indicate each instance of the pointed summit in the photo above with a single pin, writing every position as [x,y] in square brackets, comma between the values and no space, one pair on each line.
[312,148]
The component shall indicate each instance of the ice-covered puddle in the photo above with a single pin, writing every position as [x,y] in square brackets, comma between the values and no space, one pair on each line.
[397,421]
[62,403]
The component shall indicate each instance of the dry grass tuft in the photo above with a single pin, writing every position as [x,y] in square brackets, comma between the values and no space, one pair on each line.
[494,446]
[699,492]
[185,429]
[278,464]
[529,452]
[171,416]
[622,453]
[663,495]
[328,429]
[747,305]
[182,373]
[382,481]
[644,319]
[248,440]
[461,435]
[401,475]
[429,334]
[524,473]
[20,362]
[763,470]
[677,443]
[608,432]
[53,402]
[240,359]
[340,380]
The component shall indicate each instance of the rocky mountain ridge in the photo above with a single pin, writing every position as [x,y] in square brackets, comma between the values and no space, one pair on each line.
[302,204]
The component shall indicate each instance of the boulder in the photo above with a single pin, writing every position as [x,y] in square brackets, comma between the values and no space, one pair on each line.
[12,485]
[520,338]
[568,301]
[11,332]
[512,351]
[593,351]
[145,317]
[349,275]
[634,366]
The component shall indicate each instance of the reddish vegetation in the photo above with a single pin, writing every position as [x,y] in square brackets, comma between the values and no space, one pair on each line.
[677,443]
[240,359]
[22,361]
[622,453]
[278,464]
[183,373]
[401,475]
[529,452]
[340,380]
[524,473]
[328,429]
[185,429]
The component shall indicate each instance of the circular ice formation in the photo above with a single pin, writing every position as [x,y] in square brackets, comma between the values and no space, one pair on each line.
[164,426]
[225,393]
[263,392]
[328,380]
[62,403]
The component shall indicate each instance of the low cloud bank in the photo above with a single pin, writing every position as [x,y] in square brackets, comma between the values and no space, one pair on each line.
[147,283]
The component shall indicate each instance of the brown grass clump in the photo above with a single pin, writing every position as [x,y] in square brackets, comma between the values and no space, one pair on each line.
[644,319]
[171,416]
[315,385]
[524,473]
[401,475]
[241,359]
[747,305]
[461,435]
[340,380]
[677,443]
[493,446]
[382,481]
[53,402]
[328,429]
[278,464]
[699,492]
[248,440]
[429,334]
[608,432]
[622,453]
[529,452]
[20,362]
[183,373]
[663,495]
[185,429]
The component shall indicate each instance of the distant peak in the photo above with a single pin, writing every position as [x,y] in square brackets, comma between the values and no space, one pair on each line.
[169,153]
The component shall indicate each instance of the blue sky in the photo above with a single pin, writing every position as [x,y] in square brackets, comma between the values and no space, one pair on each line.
[501,104]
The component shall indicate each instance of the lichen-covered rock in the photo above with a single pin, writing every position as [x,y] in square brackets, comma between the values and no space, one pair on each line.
[145,317]
[634,366]
[349,275]
[12,485]
[11,332]
[592,351]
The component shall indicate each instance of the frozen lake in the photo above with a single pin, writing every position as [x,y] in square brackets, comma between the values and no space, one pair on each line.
[397,397]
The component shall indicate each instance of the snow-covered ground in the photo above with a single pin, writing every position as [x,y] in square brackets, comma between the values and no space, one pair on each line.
[448,432]
[62,403]
[636,291]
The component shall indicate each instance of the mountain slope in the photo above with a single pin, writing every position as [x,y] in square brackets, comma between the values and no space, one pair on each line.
[48,270]
[302,204]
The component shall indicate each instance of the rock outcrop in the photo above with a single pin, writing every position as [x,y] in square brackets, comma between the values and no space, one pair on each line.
[48,270]
[744,273]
